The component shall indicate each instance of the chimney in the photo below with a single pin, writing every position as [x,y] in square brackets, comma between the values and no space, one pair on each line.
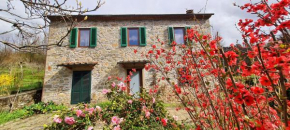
[190,11]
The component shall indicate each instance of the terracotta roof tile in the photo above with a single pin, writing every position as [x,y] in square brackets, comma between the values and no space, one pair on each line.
[77,63]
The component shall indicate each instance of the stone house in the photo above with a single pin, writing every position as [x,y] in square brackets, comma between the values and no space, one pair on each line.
[103,46]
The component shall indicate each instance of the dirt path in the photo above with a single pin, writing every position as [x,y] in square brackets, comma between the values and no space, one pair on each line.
[31,123]
[182,114]
[36,122]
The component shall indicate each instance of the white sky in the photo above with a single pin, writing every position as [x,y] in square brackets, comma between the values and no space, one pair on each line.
[223,21]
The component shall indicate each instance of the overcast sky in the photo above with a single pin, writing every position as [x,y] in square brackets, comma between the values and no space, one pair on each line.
[223,21]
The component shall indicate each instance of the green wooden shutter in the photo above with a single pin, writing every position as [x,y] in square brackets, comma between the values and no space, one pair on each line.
[73,38]
[142,35]
[187,40]
[86,87]
[76,88]
[81,87]
[170,35]
[124,38]
[93,37]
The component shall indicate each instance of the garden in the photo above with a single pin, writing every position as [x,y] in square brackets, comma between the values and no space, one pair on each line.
[241,88]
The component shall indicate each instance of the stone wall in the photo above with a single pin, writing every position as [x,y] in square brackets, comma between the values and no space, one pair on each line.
[21,100]
[58,79]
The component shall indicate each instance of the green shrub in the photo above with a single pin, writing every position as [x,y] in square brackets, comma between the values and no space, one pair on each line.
[141,111]
[78,118]
[42,108]
[39,108]
[6,116]
[123,111]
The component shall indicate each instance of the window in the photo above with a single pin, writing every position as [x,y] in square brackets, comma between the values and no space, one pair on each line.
[133,36]
[84,37]
[179,35]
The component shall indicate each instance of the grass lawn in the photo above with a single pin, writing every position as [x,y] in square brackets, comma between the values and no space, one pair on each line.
[32,78]
[5,116]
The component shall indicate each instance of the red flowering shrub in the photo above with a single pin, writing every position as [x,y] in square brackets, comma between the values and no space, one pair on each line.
[223,90]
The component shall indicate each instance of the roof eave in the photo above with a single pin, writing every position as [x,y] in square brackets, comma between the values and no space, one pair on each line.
[134,17]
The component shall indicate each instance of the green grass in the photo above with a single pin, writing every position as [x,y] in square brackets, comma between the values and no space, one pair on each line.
[5,116]
[39,108]
[32,78]
[103,104]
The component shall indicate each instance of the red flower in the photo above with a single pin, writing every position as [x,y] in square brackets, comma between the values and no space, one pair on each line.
[257,90]
[249,100]
[231,57]
[154,46]
[265,81]
[135,51]
[177,89]
[164,121]
[238,99]
[157,119]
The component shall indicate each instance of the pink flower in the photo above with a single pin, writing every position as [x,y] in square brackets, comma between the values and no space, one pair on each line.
[90,110]
[130,101]
[153,100]
[109,77]
[117,127]
[147,114]
[56,119]
[90,128]
[98,108]
[120,120]
[115,120]
[69,120]
[105,91]
[144,108]
[121,84]
[113,84]
[175,118]
[79,113]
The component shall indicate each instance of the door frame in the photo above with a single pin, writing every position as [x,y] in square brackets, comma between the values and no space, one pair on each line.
[140,77]
[90,73]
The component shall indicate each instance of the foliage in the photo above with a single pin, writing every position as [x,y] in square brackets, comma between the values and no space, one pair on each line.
[39,108]
[6,116]
[80,117]
[220,89]
[32,79]
[140,111]
[42,108]
[6,80]
[123,111]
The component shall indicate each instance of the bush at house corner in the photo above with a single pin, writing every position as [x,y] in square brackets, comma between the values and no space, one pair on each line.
[122,112]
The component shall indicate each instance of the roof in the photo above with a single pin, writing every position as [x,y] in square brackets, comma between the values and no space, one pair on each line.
[133,61]
[137,64]
[124,17]
[69,64]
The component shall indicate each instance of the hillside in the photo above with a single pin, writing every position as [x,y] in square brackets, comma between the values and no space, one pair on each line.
[25,70]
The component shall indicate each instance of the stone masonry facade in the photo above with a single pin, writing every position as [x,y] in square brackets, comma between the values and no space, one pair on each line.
[107,53]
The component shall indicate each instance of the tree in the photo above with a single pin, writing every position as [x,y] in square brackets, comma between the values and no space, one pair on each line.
[215,92]
[36,11]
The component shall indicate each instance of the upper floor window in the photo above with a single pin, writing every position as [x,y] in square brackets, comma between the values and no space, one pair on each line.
[83,37]
[133,36]
[179,35]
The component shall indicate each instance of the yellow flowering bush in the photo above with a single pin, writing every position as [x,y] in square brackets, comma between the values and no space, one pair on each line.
[6,80]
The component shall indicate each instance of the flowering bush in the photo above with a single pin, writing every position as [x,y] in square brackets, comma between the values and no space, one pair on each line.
[223,90]
[140,111]
[80,117]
